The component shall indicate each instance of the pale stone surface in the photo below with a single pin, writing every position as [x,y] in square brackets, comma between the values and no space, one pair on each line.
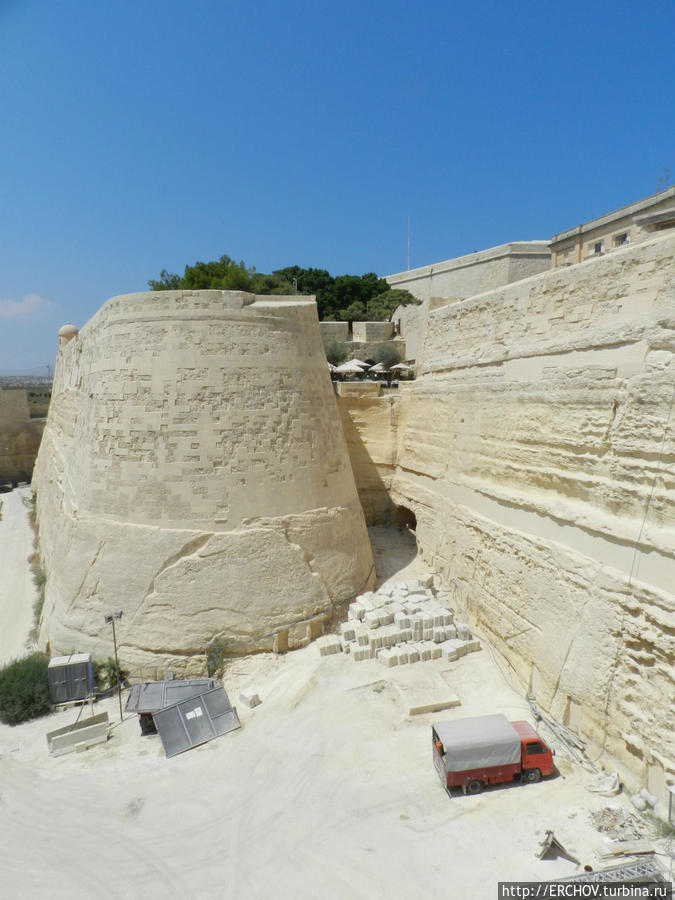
[194,473]
[536,451]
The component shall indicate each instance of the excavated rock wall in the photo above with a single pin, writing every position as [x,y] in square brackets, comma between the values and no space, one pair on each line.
[193,472]
[536,449]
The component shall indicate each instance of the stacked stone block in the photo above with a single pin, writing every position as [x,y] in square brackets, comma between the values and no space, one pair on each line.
[404,622]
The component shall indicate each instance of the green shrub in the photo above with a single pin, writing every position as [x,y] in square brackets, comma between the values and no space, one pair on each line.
[215,656]
[24,689]
[109,671]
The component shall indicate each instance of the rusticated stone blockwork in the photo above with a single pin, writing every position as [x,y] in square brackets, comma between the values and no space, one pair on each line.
[194,472]
[537,451]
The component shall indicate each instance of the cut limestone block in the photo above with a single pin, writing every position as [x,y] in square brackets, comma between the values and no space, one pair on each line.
[450,632]
[329,644]
[386,616]
[348,630]
[372,619]
[438,635]
[472,646]
[250,698]
[424,650]
[402,652]
[361,653]
[463,632]
[388,658]
[453,649]
[362,637]
[402,620]
[413,654]
[436,651]
[355,611]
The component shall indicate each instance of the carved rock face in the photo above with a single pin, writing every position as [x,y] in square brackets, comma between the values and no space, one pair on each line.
[194,472]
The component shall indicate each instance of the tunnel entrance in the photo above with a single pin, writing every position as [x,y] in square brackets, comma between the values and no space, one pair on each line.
[402,517]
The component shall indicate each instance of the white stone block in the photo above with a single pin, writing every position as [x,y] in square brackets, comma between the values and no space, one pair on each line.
[464,632]
[386,616]
[438,635]
[450,632]
[372,619]
[355,611]
[329,644]
[362,638]
[402,653]
[388,658]
[250,697]
[436,651]
[348,630]
[413,654]
[402,620]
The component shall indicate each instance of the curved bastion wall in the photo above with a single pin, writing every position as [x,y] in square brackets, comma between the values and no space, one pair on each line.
[193,472]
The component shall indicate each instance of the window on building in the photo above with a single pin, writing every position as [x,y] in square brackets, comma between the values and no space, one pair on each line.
[621,239]
[597,248]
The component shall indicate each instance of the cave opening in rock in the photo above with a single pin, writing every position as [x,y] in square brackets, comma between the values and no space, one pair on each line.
[403,517]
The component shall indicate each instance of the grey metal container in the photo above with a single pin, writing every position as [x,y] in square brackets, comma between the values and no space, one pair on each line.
[70,677]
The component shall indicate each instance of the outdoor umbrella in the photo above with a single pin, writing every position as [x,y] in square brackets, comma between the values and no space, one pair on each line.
[350,368]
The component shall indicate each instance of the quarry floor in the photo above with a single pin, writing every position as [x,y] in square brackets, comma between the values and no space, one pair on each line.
[327,791]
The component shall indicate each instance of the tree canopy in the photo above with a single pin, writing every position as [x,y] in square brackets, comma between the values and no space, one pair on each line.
[354,298]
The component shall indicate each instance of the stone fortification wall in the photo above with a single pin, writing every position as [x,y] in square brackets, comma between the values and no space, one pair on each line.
[14,408]
[193,472]
[19,436]
[372,332]
[334,331]
[536,449]
[476,272]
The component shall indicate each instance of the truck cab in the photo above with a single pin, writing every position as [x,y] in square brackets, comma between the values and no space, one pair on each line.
[536,756]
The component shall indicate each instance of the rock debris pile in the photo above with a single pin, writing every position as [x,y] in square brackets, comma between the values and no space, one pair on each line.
[403,622]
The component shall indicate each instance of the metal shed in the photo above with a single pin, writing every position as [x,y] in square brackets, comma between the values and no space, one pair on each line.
[70,677]
[195,721]
[148,698]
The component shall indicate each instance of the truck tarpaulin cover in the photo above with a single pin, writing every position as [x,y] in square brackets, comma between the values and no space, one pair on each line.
[478,742]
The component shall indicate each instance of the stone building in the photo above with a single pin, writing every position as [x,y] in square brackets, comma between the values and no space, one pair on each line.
[617,229]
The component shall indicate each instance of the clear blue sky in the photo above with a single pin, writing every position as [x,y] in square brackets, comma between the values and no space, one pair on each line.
[138,135]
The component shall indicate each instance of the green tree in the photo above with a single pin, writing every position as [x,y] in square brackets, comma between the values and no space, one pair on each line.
[336,352]
[387,354]
[382,306]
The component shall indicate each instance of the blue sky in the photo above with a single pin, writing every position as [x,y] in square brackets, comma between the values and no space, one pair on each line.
[139,135]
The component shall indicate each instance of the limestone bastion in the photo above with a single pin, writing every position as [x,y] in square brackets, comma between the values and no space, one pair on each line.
[194,473]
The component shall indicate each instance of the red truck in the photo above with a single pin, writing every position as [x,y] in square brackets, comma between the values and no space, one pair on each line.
[472,753]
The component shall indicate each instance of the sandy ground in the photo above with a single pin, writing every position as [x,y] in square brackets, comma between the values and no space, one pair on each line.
[327,791]
[17,591]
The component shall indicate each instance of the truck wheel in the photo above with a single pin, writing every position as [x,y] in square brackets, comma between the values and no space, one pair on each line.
[533,775]
[474,787]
